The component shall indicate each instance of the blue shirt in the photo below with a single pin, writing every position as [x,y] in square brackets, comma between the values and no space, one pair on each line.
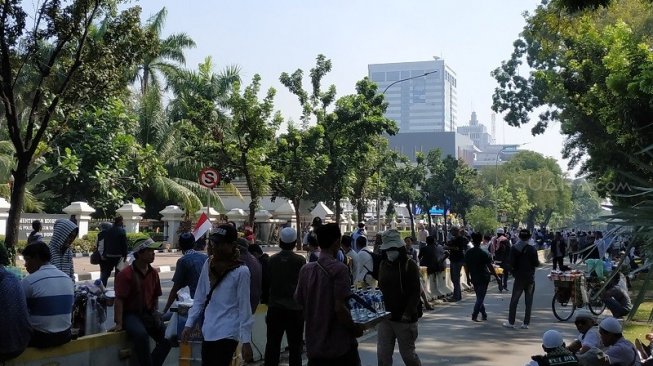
[14,321]
[187,272]
[50,295]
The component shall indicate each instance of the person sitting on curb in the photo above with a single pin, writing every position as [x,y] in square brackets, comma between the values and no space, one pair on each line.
[188,268]
[50,295]
[588,337]
[616,297]
[135,309]
[618,350]
[556,353]
[15,320]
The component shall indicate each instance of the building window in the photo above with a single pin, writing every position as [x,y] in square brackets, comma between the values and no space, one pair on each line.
[392,76]
[378,76]
[419,90]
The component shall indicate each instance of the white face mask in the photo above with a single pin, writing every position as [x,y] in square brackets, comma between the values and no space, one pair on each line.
[392,255]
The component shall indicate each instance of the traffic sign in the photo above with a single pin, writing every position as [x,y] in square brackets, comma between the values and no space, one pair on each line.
[209,177]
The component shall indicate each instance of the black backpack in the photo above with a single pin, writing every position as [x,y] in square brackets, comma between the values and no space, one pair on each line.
[376,260]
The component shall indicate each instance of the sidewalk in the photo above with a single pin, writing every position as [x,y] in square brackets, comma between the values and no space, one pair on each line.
[84,270]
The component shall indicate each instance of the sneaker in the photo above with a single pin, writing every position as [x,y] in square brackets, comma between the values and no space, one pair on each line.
[524,326]
[508,325]
[484,317]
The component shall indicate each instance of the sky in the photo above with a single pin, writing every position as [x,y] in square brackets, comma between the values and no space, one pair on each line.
[270,37]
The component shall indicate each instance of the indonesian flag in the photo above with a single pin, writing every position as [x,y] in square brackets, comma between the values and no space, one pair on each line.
[203,225]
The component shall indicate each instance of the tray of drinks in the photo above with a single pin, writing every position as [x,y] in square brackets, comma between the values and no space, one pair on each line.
[373,320]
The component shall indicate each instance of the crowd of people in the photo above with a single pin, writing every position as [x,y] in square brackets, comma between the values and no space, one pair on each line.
[309,298]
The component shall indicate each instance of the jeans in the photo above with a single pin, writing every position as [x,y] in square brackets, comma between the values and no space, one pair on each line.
[403,333]
[480,288]
[140,337]
[557,262]
[351,358]
[106,266]
[281,320]
[455,279]
[528,288]
[218,353]
[616,308]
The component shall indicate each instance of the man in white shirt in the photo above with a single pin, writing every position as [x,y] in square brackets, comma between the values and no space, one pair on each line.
[365,264]
[348,246]
[50,295]
[222,296]
[588,336]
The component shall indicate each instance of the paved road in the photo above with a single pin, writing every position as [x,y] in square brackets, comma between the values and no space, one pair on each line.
[448,336]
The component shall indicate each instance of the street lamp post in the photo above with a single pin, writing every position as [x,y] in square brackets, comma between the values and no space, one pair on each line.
[378,197]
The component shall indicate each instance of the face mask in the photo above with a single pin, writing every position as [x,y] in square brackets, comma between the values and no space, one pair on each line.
[392,255]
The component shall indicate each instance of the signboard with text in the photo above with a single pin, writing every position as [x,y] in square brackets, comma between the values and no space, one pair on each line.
[47,221]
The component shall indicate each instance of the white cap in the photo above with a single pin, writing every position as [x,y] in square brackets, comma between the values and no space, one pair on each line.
[611,325]
[288,235]
[552,339]
[500,231]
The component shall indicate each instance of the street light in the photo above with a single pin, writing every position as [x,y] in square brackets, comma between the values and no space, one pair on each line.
[378,197]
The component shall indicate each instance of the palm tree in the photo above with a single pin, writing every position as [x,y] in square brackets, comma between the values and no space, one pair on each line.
[165,57]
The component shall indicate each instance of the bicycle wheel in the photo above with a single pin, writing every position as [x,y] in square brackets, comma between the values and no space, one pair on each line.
[596,306]
[562,305]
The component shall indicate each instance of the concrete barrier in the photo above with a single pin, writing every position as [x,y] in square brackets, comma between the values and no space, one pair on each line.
[114,349]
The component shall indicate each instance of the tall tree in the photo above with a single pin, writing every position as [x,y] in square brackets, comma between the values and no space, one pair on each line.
[51,69]
[450,183]
[165,57]
[586,204]
[299,162]
[591,71]
[250,136]
[405,182]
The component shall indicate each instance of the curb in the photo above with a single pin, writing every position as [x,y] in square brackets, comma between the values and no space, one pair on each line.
[95,275]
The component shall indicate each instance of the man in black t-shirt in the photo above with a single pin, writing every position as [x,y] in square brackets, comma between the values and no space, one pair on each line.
[457,247]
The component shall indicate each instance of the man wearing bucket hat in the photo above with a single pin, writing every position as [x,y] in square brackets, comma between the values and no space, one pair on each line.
[556,353]
[588,336]
[399,283]
[618,350]
[137,294]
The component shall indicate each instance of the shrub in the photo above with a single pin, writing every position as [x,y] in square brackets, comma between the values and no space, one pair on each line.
[91,236]
[83,246]
[133,237]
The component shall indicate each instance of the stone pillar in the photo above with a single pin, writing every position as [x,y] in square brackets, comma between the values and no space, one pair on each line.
[4,214]
[263,220]
[131,216]
[286,212]
[172,216]
[212,213]
[237,215]
[82,212]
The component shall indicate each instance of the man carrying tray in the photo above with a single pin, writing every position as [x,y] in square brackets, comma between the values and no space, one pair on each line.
[399,283]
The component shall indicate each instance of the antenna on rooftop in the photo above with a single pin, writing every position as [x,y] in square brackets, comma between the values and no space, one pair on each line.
[494,126]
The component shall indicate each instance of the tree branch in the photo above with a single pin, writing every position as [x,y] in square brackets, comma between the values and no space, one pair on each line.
[8,97]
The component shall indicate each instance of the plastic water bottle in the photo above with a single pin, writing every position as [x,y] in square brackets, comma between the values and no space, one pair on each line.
[381,302]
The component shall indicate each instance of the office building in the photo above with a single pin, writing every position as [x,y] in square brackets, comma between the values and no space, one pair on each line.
[477,132]
[424,103]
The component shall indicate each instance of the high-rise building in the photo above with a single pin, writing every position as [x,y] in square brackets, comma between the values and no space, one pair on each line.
[422,104]
[477,132]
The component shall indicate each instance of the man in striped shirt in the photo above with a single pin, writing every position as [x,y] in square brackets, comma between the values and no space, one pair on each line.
[65,232]
[50,295]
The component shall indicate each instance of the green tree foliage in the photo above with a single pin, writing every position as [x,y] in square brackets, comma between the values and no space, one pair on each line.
[250,136]
[299,163]
[482,219]
[586,203]
[73,55]
[450,180]
[592,71]
[165,56]
[404,183]
[542,182]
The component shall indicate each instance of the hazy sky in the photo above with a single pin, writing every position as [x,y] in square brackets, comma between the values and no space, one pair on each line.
[270,37]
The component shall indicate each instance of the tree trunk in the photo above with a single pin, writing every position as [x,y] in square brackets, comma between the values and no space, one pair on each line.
[428,214]
[298,217]
[412,220]
[338,211]
[253,204]
[547,217]
[361,209]
[530,220]
[17,198]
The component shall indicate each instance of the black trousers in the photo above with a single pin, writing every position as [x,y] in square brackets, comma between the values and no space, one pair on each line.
[351,358]
[557,262]
[47,340]
[106,266]
[218,353]
[291,322]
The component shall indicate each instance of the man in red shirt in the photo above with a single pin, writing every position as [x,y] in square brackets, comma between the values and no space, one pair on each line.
[137,293]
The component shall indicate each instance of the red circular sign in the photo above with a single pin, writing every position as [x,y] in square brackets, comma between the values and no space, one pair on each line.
[209,177]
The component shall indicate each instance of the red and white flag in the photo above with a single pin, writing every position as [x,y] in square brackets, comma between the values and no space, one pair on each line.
[203,225]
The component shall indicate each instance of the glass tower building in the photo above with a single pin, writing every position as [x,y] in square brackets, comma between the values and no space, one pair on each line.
[422,104]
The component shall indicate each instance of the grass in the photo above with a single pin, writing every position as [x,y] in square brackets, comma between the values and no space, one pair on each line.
[639,326]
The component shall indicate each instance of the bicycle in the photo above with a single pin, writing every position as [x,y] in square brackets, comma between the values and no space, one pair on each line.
[567,298]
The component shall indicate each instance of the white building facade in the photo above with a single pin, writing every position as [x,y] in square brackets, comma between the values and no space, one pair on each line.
[423,104]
